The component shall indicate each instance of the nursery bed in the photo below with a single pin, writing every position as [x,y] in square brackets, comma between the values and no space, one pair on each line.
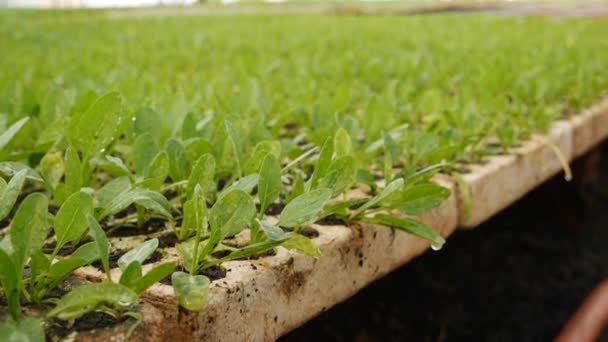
[262,299]
[273,152]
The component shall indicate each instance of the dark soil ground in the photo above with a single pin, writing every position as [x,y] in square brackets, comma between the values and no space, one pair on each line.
[518,277]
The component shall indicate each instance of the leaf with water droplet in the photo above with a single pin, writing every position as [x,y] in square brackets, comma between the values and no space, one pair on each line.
[94,129]
[408,225]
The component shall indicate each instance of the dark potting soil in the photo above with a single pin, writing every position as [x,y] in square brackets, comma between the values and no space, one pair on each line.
[57,329]
[518,277]
[167,240]
[114,256]
[155,257]
[150,227]
[274,209]
[331,220]
[310,233]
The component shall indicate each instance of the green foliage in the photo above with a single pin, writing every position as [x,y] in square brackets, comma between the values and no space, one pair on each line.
[305,209]
[196,145]
[9,192]
[28,330]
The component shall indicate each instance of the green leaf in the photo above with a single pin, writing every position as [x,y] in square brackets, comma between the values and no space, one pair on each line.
[391,155]
[62,269]
[302,245]
[148,121]
[27,330]
[196,147]
[52,169]
[73,172]
[143,152]
[8,135]
[418,199]
[233,138]
[131,275]
[323,163]
[70,222]
[10,169]
[138,254]
[425,144]
[390,148]
[29,229]
[340,175]
[250,250]
[304,209]
[9,279]
[118,194]
[195,215]
[209,247]
[88,252]
[158,168]
[273,232]
[101,243]
[178,161]
[189,126]
[112,165]
[39,264]
[151,200]
[393,187]
[269,185]
[155,275]
[191,291]
[245,184]
[423,175]
[90,297]
[298,187]
[113,189]
[232,213]
[10,193]
[259,152]
[185,250]
[408,225]
[343,144]
[202,174]
[93,130]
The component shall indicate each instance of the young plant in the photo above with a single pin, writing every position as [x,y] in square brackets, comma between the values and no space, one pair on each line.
[114,299]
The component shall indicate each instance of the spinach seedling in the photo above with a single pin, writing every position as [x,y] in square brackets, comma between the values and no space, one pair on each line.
[114,299]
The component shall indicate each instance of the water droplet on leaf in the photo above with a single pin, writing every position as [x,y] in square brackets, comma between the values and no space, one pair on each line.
[436,246]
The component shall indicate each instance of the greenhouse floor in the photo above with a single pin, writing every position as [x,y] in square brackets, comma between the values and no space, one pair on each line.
[519,278]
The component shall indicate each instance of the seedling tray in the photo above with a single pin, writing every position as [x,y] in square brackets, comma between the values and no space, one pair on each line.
[262,299]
